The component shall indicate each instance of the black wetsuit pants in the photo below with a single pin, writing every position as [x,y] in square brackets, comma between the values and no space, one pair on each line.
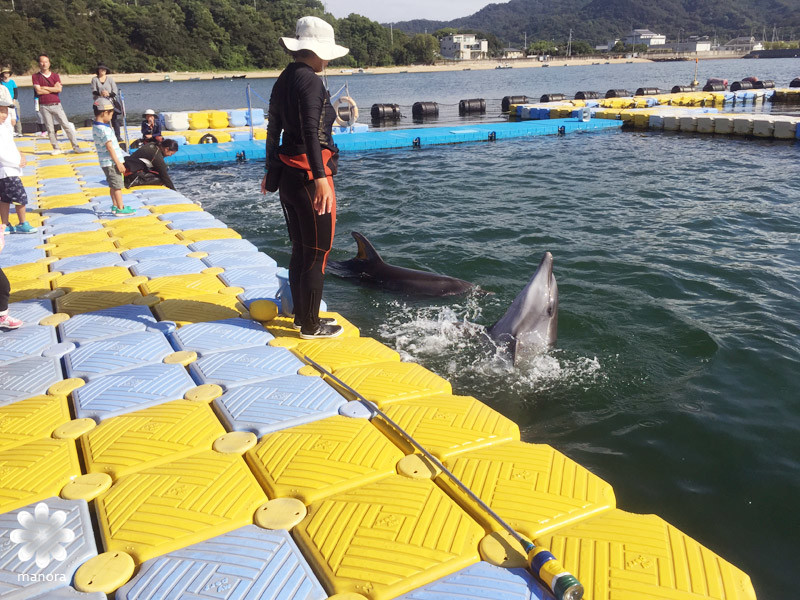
[5,291]
[312,238]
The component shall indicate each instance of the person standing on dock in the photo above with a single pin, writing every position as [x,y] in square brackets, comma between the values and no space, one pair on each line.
[46,88]
[104,86]
[302,168]
[11,163]
[11,86]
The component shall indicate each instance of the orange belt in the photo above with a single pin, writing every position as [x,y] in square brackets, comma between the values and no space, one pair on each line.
[300,161]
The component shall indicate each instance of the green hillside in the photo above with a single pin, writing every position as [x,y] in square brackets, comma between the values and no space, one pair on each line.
[184,35]
[227,35]
[597,21]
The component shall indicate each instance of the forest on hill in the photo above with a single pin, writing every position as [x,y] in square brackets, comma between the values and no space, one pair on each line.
[185,35]
[237,35]
[597,21]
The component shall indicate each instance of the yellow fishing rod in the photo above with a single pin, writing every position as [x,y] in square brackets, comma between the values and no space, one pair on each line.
[541,562]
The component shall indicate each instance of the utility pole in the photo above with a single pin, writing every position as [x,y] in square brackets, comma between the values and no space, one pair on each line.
[391,36]
[569,44]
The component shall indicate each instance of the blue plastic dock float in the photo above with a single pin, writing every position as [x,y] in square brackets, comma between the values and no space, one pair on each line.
[401,138]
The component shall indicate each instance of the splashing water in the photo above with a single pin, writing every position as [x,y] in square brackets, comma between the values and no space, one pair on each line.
[452,343]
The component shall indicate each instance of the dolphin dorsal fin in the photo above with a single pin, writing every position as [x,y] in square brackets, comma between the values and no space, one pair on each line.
[366,251]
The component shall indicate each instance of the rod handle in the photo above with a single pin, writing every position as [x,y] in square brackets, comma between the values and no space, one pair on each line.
[561,582]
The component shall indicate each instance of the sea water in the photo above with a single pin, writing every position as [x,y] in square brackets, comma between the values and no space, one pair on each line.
[677,369]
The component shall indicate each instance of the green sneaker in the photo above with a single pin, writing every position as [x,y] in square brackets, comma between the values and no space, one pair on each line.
[125,210]
[114,209]
[25,228]
[10,228]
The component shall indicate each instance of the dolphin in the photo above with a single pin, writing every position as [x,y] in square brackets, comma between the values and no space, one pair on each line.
[368,267]
[530,324]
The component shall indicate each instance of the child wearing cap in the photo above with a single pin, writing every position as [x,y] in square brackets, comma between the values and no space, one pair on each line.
[10,188]
[151,128]
[109,153]
[11,162]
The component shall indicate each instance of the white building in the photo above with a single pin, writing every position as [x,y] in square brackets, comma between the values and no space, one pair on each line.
[646,37]
[513,53]
[742,44]
[463,46]
[693,44]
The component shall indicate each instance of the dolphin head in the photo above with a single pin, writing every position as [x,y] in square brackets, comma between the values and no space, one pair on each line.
[530,324]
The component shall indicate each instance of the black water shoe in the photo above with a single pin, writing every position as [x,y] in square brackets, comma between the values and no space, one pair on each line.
[322,332]
[322,321]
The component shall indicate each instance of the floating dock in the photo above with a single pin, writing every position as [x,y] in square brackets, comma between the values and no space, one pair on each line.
[695,112]
[164,438]
[399,138]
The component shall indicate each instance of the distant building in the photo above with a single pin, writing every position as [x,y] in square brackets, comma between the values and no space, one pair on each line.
[742,44]
[463,46]
[513,53]
[646,37]
[693,44]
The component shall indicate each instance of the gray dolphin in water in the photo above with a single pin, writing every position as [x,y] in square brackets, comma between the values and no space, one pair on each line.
[369,268]
[530,324]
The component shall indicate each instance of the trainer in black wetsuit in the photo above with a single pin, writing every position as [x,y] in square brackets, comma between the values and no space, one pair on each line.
[302,168]
[146,166]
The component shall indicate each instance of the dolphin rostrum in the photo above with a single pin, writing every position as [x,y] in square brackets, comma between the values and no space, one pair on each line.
[368,267]
[530,324]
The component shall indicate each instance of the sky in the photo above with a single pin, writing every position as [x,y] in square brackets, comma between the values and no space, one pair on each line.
[405,10]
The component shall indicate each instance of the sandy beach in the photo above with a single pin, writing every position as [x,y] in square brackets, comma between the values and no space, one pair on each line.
[474,65]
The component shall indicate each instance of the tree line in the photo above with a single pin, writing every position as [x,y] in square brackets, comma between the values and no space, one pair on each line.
[186,35]
[597,21]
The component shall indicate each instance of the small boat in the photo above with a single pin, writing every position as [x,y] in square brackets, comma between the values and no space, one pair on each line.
[238,76]
[193,79]
[346,71]
[503,66]
[168,78]
[144,80]
[545,65]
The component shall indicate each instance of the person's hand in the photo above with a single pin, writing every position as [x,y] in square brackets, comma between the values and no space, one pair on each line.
[104,94]
[264,184]
[22,160]
[121,168]
[323,196]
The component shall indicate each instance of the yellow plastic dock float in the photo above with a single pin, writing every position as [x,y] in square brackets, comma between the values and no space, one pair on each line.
[154,411]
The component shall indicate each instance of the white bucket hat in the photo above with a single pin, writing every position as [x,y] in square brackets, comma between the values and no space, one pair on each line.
[5,97]
[312,33]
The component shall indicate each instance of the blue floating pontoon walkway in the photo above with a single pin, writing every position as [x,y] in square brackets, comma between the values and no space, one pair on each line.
[400,138]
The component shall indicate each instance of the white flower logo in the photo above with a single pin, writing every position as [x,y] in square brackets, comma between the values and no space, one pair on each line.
[42,535]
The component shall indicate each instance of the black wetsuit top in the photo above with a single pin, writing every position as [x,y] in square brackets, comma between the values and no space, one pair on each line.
[152,153]
[307,130]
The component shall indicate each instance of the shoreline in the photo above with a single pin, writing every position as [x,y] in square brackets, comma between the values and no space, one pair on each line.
[24,81]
